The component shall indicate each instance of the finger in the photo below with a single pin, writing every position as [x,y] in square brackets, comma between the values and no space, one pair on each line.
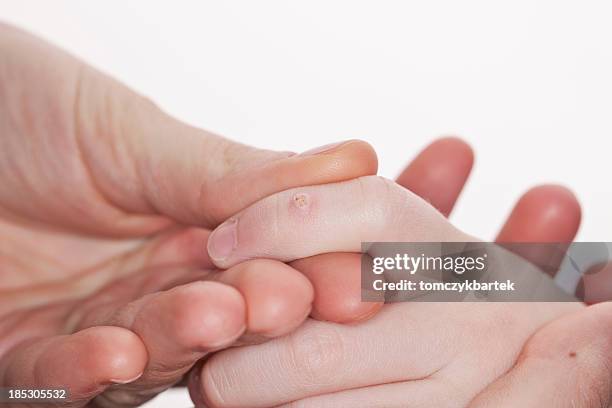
[208,178]
[86,363]
[278,297]
[177,327]
[544,214]
[133,165]
[322,358]
[305,221]
[336,279]
[438,175]
[575,353]
[594,285]
[181,246]
[252,301]
[547,213]
[439,172]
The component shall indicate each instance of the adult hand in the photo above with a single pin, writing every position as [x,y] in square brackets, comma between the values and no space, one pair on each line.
[105,208]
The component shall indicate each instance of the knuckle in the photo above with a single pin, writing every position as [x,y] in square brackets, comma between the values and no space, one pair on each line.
[318,355]
[378,186]
[198,320]
[381,197]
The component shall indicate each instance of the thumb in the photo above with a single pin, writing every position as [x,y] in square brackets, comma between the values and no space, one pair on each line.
[81,151]
[197,177]
[147,162]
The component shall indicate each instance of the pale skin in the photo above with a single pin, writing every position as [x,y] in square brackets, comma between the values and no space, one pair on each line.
[413,354]
[105,210]
[106,206]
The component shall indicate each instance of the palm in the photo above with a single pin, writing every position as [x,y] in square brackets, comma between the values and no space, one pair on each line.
[80,242]
[49,276]
[57,225]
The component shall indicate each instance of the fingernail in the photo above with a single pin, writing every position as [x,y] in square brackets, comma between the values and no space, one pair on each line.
[223,240]
[118,382]
[323,149]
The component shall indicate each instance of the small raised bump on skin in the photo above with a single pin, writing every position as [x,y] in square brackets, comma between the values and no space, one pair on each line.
[301,201]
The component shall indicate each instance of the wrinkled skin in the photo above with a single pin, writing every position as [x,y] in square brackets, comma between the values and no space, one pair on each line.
[106,207]
[107,203]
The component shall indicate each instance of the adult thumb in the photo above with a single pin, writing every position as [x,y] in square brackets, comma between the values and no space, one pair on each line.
[146,162]
[92,155]
[197,177]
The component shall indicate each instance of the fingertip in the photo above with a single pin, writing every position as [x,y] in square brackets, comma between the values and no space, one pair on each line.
[546,213]
[453,144]
[343,161]
[278,297]
[560,201]
[359,157]
[118,355]
[206,315]
[178,327]
[439,172]
[443,150]
[336,278]
[88,361]
[222,242]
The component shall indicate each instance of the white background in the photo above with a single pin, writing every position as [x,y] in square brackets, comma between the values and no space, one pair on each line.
[528,83]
